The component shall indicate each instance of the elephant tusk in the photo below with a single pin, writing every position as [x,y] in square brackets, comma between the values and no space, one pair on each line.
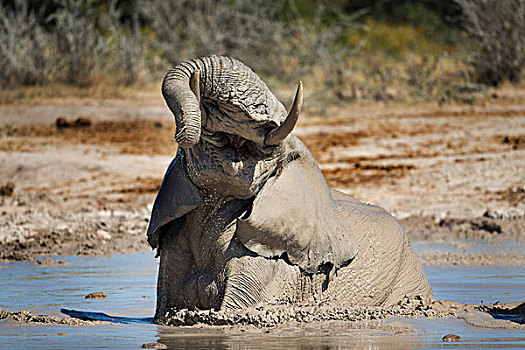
[275,136]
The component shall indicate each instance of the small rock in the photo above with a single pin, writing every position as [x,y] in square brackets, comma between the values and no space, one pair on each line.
[104,234]
[96,295]
[82,123]
[154,346]
[62,122]
[7,190]
[61,334]
[50,262]
[451,338]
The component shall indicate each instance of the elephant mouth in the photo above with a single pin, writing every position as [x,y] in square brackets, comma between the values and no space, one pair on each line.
[236,145]
[236,141]
[230,163]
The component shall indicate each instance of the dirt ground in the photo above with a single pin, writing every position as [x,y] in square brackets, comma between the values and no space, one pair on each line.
[448,173]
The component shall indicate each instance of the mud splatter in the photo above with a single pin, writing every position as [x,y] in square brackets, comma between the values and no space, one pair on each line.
[274,315]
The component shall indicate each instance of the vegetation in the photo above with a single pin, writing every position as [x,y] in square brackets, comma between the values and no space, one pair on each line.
[499,29]
[349,50]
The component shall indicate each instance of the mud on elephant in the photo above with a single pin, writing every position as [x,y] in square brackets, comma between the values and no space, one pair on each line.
[244,215]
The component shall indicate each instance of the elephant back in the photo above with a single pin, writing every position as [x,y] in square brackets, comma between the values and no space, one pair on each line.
[386,267]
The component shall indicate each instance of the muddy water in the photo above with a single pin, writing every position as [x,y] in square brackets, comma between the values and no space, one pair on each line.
[129,283]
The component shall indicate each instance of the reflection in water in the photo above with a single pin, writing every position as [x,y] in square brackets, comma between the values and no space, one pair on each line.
[290,342]
[326,335]
[129,281]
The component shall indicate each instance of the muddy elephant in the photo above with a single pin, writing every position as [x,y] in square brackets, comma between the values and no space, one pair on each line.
[244,215]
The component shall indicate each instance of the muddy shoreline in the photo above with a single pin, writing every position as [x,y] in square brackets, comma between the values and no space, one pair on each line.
[498,316]
[102,233]
[452,174]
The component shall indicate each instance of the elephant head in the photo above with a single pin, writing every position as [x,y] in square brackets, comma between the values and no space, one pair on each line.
[229,125]
[235,142]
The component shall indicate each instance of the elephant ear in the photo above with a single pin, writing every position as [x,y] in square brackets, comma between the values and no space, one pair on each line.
[177,196]
[295,214]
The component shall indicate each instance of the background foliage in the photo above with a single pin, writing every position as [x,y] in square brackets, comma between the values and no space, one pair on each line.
[351,49]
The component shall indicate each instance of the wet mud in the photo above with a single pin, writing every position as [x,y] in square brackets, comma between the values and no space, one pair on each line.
[26,316]
[446,174]
[275,315]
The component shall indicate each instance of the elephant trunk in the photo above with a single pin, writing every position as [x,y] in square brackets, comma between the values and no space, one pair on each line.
[184,102]
[221,79]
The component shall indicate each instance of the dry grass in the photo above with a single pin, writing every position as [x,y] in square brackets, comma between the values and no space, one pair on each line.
[103,88]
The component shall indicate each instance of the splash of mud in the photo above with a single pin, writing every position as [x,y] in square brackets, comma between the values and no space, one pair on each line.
[273,315]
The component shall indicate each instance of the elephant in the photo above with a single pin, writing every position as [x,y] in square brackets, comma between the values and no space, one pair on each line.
[244,216]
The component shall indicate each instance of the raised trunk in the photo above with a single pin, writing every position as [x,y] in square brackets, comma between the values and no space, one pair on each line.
[221,78]
[183,102]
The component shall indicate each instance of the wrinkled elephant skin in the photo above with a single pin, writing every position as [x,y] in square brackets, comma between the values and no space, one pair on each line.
[244,215]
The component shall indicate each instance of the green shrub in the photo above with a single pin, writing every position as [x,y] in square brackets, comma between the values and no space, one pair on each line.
[78,43]
[399,40]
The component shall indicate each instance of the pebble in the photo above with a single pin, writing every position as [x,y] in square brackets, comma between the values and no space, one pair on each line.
[154,346]
[451,338]
[96,295]
[7,190]
[104,234]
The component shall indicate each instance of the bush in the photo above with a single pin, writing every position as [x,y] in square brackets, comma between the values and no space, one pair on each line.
[25,57]
[498,26]
[348,50]
[73,43]
[81,48]
[271,36]
[126,45]
[248,30]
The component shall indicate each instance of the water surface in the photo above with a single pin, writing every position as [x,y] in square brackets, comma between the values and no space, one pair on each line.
[129,281]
